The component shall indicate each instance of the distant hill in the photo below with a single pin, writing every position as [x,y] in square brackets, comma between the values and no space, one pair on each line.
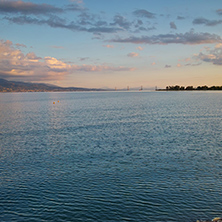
[12,86]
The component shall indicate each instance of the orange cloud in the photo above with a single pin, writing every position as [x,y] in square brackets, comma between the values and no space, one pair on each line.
[21,45]
[108,46]
[187,59]
[15,64]
[218,46]
[139,48]
[133,54]
[54,64]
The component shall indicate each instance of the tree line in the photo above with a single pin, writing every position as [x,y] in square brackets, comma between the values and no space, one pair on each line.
[177,88]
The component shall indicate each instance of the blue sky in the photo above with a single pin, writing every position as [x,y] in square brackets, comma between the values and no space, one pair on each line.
[118,43]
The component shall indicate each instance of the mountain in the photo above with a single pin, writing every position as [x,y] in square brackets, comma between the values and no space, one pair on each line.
[12,86]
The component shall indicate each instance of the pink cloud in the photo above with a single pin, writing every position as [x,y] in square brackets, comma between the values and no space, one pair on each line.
[133,54]
[218,46]
[139,48]
[188,38]
[99,68]
[21,45]
[108,46]
[15,64]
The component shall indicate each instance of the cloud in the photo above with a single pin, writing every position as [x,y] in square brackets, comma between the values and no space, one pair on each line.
[55,65]
[85,18]
[218,46]
[138,23]
[27,8]
[77,1]
[121,22]
[30,13]
[191,64]
[75,7]
[99,68]
[139,26]
[180,18]
[213,56]
[203,21]
[100,29]
[21,12]
[133,54]
[139,48]
[219,11]
[32,57]
[21,45]
[14,63]
[108,46]
[144,14]
[172,25]
[57,22]
[188,38]
[53,21]
[84,58]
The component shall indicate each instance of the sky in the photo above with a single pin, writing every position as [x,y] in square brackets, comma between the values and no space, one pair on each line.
[108,44]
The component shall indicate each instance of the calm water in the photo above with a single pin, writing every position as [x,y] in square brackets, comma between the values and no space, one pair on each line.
[111,156]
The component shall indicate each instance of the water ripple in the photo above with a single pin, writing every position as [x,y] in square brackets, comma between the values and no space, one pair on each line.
[154,156]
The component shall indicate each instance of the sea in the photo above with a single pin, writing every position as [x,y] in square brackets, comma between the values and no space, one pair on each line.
[148,156]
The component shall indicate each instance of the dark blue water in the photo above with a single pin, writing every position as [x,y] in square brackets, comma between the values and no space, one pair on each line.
[110,156]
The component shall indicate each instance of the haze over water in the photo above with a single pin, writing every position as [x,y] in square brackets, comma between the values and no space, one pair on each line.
[110,156]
